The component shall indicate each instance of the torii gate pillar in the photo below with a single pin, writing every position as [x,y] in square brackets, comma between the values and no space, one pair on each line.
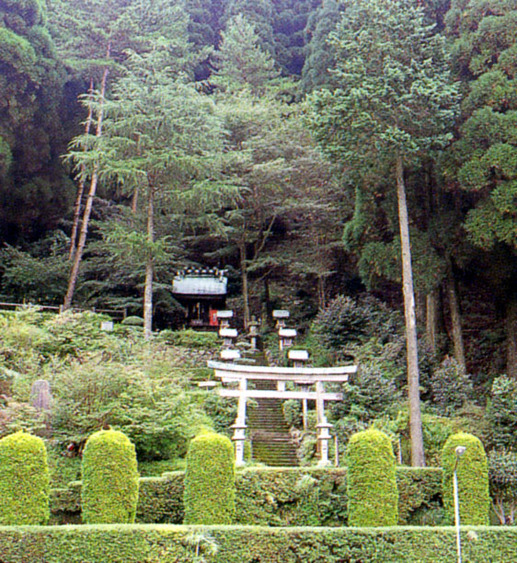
[239,428]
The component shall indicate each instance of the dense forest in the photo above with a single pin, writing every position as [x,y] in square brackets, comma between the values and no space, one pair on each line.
[273,138]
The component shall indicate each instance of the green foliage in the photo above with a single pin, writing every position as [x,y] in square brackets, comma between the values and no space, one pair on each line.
[156,413]
[369,395]
[436,430]
[221,411]
[472,471]
[273,497]
[38,275]
[346,321]
[502,412]
[371,483]
[502,472]
[292,497]
[209,496]
[359,121]
[237,544]
[320,57]
[6,157]
[101,378]
[110,479]
[24,480]
[160,499]
[292,410]
[133,320]
[341,322]
[190,338]
[240,60]
[419,501]
[484,56]
[451,387]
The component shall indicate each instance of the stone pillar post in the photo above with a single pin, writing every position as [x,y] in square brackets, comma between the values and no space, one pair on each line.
[239,433]
[323,441]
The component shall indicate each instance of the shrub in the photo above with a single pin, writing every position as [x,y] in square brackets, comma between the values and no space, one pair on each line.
[157,414]
[451,387]
[502,470]
[133,321]
[24,480]
[209,496]
[347,320]
[340,322]
[472,472]
[368,395]
[110,479]
[192,339]
[502,412]
[372,485]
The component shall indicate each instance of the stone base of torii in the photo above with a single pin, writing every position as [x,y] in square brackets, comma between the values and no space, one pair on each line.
[311,382]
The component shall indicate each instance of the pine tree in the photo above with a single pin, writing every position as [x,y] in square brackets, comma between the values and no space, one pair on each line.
[240,60]
[159,132]
[258,13]
[394,100]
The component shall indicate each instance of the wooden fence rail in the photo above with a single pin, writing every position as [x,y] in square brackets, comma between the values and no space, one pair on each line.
[117,314]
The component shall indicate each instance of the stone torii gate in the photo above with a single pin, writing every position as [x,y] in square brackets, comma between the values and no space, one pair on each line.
[304,377]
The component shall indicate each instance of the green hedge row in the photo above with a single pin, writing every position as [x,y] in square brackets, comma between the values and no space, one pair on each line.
[241,544]
[269,497]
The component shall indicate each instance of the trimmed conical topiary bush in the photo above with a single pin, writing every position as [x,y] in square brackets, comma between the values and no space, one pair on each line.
[209,496]
[472,472]
[371,480]
[24,480]
[110,479]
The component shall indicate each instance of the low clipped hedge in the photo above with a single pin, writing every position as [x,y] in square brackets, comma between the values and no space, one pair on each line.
[209,494]
[242,544]
[472,473]
[109,493]
[372,483]
[24,480]
[292,496]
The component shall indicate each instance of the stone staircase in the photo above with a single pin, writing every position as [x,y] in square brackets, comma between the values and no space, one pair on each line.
[271,442]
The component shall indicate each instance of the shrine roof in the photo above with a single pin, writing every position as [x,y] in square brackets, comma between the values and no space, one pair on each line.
[200,283]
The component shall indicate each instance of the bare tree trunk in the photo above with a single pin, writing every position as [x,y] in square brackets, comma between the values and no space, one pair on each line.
[322,292]
[431,320]
[457,331]
[134,201]
[415,418]
[244,278]
[80,188]
[74,272]
[511,336]
[149,269]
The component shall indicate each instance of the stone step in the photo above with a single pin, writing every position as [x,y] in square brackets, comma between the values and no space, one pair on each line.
[270,439]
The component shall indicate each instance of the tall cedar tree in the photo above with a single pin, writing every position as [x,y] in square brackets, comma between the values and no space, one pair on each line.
[394,101]
[485,154]
[33,190]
